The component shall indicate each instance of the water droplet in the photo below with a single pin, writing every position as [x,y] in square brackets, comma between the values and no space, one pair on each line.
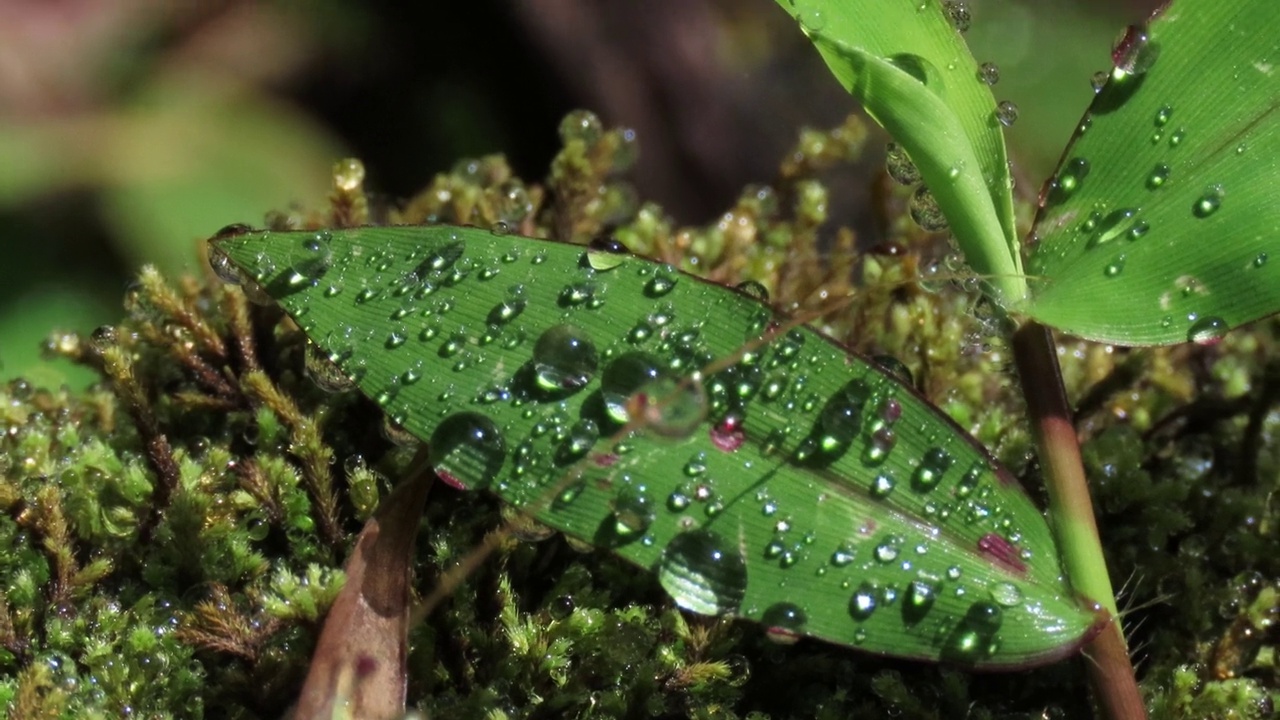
[1114,268]
[633,512]
[958,13]
[1139,229]
[1069,179]
[842,557]
[728,435]
[931,469]
[624,376]
[396,338]
[882,485]
[453,344]
[988,73]
[1006,113]
[899,165]
[1208,330]
[605,253]
[1111,227]
[918,600]
[1158,176]
[662,282]
[974,636]
[311,258]
[753,290]
[1162,116]
[581,438]
[678,502]
[783,622]
[1133,52]
[1176,138]
[576,294]
[1259,260]
[703,573]
[921,69]
[925,211]
[1006,594]
[886,552]
[466,451]
[507,310]
[895,367]
[667,407]
[1208,203]
[564,359]
[864,601]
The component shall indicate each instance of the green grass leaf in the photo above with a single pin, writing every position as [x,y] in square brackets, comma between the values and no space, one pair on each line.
[756,467]
[1158,225]
[909,67]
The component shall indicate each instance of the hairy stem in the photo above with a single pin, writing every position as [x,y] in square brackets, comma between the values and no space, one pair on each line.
[1071,514]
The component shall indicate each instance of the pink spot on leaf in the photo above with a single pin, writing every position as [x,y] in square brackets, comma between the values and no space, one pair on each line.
[1002,552]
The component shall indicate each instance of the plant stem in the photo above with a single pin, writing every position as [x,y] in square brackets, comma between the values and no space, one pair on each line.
[1071,515]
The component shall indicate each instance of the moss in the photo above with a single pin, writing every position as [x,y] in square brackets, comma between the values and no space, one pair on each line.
[173,535]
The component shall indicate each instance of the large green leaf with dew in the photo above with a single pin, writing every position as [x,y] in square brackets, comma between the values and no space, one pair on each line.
[758,468]
[907,64]
[1159,224]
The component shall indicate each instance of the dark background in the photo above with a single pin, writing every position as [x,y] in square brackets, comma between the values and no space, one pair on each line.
[130,130]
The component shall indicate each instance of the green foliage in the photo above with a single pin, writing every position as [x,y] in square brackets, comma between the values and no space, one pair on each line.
[1203,426]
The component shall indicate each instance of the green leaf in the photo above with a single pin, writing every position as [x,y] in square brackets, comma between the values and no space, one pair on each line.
[759,470]
[907,64]
[1158,225]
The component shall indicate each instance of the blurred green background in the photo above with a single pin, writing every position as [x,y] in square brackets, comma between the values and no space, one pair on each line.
[130,130]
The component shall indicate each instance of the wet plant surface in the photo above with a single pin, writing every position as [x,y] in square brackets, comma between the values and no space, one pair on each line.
[174,533]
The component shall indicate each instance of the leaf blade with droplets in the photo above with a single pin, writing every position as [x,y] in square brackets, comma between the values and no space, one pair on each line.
[759,471]
[1165,197]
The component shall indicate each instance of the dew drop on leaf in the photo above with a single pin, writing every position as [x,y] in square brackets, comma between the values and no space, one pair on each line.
[918,600]
[1162,116]
[1114,268]
[633,512]
[1158,176]
[466,451]
[564,359]
[958,13]
[864,601]
[783,622]
[1006,594]
[1259,260]
[882,485]
[703,573]
[989,73]
[1208,203]
[931,469]
[1006,113]
[925,211]
[1112,226]
[1069,179]
[1207,330]
[1133,52]
[974,637]
[605,253]
[624,376]
[899,165]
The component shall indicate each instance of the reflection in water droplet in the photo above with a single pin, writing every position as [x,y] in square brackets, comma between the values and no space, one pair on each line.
[1114,268]
[958,13]
[864,601]
[1207,330]
[1133,52]
[1069,179]
[1006,113]
[1208,203]
[1158,176]
[624,376]
[783,622]
[703,573]
[899,165]
[920,69]
[925,211]
[564,359]
[932,467]
[466,451]
[633,512]
[918,600]
[989,73]
[605,253]
[311,258]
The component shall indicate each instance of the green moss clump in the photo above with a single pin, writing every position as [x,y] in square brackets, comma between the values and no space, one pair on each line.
[173,536]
